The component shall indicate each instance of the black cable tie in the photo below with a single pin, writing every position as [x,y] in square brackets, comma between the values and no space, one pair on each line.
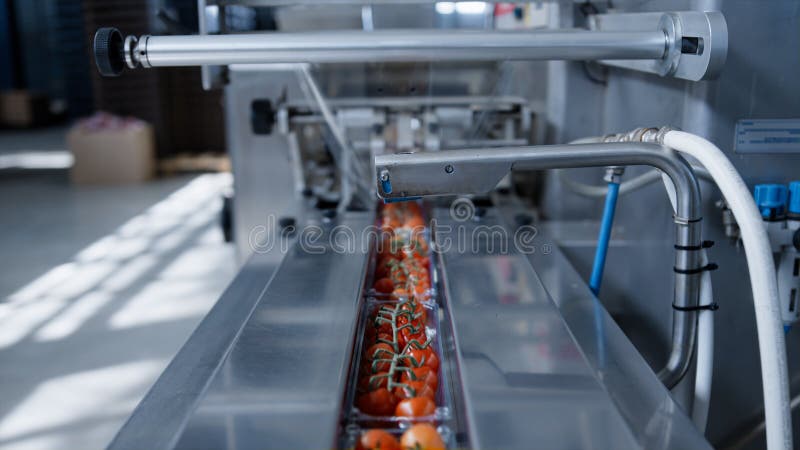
[709,266]
[703,245]
[710,307]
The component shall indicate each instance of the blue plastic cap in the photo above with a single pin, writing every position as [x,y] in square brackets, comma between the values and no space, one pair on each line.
[771,200]
[386,185]
[794,197]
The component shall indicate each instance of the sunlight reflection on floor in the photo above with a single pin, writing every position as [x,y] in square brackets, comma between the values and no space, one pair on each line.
[80,345]
[76,397]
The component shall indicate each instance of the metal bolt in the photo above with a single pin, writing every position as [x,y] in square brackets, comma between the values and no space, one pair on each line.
[449,168]
[614,174]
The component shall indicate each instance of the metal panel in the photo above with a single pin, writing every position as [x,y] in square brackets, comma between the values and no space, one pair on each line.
[157,420]
[262,164]
[756,83]
[281,385]
[543,363]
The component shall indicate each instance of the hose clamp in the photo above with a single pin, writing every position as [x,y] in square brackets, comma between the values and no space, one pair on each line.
[684,220]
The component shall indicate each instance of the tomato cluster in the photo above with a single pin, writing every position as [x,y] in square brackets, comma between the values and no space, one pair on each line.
[399,372]
[402,268]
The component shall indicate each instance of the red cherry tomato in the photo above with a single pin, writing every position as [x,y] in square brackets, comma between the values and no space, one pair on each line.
[383,337]
[369,382]
[414,389]
[407,335]
[380,350]
[380,326]
[399,276]
[422,436]
[384,285]
[412,305]
[379,402]
[385,266]
[415,407]
[424,374]
[415,222]
[433,361]
[423,356]
[378,357]
[377,440]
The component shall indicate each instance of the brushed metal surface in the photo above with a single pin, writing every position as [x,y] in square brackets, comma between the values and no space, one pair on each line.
[543,363]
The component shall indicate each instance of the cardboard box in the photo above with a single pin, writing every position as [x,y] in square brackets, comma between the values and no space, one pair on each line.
[23,109]
[111,151]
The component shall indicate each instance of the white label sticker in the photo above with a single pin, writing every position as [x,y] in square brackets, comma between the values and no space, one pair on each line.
[767,136]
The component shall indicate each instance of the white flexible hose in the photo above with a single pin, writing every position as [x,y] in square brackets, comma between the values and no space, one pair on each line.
[771,343]
[705,352]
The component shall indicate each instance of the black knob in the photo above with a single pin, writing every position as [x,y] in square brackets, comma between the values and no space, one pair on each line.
[286,222]
[109,52]
[796,239]
[523,219]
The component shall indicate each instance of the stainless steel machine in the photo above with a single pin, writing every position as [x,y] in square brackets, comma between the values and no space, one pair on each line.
[449,105]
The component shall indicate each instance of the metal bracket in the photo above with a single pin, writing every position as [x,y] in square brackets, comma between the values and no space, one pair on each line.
[696,42]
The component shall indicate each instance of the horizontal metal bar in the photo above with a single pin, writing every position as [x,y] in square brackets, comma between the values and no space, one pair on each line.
[474,102]
[258,3]
[397,45]
[473,171]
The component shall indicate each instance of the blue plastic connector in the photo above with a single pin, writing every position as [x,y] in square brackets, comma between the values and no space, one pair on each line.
[771,200]
[386,185]
[794,197]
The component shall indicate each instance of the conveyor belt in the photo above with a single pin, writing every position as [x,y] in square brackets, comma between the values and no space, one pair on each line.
[539,362]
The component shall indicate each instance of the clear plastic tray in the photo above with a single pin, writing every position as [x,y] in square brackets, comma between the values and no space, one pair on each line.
[353,433]
[427,295]
[356,421]
[443,407]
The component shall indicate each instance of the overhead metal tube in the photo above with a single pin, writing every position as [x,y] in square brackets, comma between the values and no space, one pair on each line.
[479,170]
[395,45]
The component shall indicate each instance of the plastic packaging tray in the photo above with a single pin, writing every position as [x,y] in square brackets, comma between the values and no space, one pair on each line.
[355,421]
[443,406]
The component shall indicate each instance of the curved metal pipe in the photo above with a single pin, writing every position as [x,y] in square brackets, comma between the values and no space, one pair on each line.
[479,170]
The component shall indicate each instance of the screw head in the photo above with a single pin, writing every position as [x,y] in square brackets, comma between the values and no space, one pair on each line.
[449,168]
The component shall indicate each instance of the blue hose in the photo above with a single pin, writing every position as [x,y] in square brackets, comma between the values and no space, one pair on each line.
[604,237]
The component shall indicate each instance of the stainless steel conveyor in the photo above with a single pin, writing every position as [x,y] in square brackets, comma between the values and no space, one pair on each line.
[538,359]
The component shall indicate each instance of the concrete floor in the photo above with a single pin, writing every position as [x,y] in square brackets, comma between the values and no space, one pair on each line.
[99,288]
